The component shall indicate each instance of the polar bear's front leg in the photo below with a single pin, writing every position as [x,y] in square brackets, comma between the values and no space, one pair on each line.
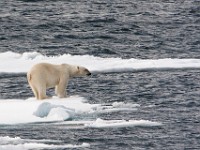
[60,89]
[59,93]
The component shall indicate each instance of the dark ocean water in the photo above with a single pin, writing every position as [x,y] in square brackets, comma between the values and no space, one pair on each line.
[146,29]
[139,29]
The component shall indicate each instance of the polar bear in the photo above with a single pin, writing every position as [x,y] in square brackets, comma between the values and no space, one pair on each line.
[44,75]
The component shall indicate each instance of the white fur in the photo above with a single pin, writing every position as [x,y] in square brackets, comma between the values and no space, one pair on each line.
[44,75]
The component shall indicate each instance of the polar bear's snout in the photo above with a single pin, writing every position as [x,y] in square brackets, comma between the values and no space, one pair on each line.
[89,73]
[85,71]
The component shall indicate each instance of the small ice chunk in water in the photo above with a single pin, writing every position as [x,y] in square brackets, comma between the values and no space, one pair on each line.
[100,123]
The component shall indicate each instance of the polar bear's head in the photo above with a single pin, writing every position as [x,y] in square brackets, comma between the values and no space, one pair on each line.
[82,71]
[77,71]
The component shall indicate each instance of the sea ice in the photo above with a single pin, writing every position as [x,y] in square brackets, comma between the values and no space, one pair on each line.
[16,143]
[100,123]
[16,111]
[11,61]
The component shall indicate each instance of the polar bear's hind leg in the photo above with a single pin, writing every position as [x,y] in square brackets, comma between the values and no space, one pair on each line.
[33,88]
[35,92]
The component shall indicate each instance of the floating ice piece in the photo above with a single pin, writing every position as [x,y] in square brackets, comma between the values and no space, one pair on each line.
[99,123]
[16,143]
[116,107]
[124,105]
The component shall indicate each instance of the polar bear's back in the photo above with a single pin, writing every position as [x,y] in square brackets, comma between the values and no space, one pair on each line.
[44,72]
[44,69]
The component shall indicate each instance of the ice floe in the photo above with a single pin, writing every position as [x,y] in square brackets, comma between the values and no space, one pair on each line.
[20,63]
[16,111]
[100,123]
[16,143]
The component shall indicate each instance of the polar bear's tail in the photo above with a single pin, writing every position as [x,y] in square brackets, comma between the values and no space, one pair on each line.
[29,76]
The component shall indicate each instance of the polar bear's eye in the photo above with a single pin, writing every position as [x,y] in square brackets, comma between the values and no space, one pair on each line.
[78,67]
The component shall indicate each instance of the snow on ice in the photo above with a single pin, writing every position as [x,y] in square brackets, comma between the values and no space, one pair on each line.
[11,61]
